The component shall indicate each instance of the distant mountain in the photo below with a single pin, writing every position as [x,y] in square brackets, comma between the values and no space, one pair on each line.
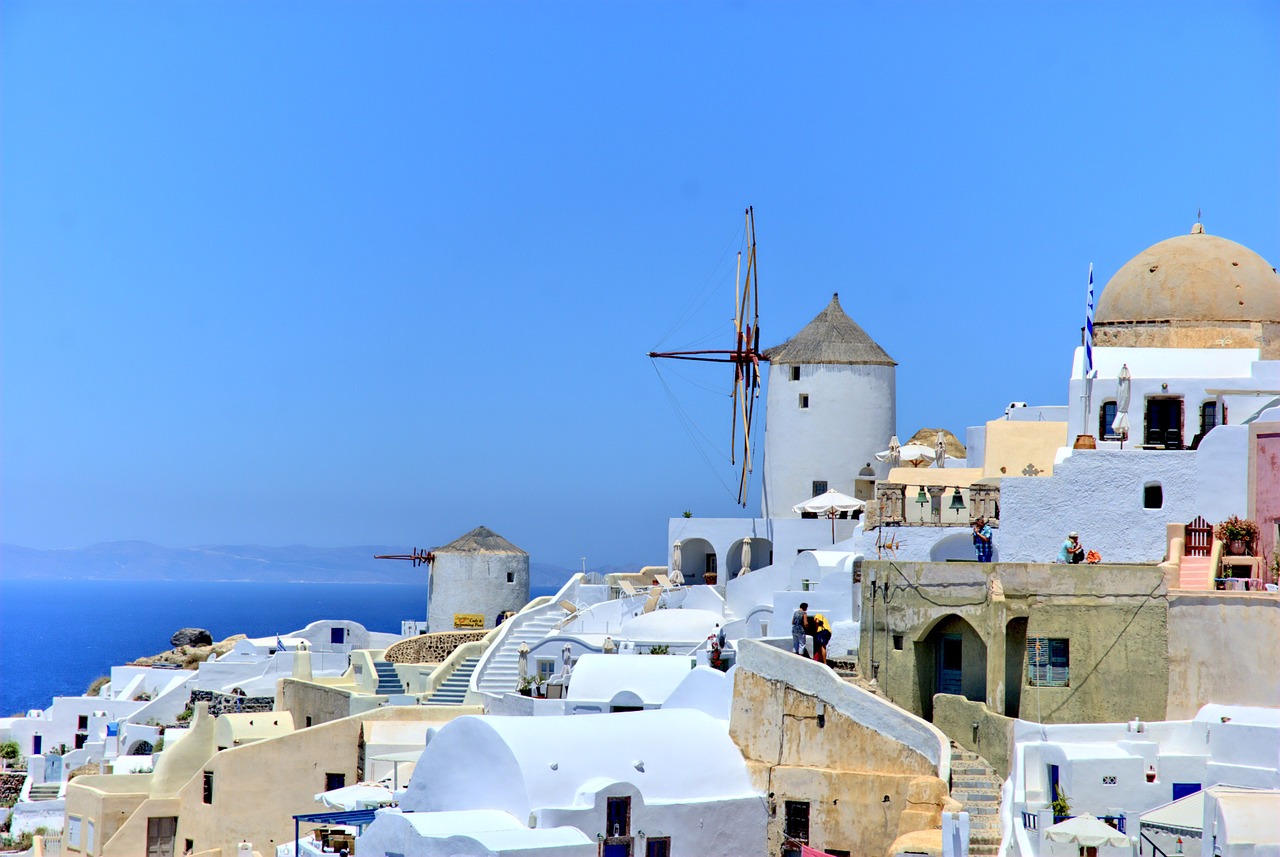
[294,563]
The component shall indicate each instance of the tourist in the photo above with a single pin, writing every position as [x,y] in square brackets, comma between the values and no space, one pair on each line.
[982,539]
[798,620]
[1071,551]
[821,637]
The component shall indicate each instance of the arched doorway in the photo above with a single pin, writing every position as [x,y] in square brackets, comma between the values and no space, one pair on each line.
[761,556]
[952,658]
[959,547]
[141,748]
[697,557]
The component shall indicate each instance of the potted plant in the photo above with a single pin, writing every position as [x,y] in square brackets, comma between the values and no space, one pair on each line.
[1061,806]
[1238,534]
[526,685]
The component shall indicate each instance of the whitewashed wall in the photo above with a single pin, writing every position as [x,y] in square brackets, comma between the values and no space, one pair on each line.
[851,415]
[476,583]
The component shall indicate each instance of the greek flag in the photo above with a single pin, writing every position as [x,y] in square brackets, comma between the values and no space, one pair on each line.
[1088,329]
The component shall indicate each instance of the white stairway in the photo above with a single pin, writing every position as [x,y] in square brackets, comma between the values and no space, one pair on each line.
[502,672]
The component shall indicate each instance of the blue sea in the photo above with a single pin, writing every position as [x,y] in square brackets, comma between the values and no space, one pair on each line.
[57,636]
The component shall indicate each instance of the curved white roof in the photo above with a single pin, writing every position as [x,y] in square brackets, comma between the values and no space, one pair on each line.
[676,626]
[704,689]
[517,764]
[472,832]
[652,678]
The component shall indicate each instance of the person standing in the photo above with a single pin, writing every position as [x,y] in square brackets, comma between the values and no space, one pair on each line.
[798,620]
[982,539]
[821,637]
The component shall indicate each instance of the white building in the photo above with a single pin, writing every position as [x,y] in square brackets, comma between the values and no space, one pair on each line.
[655,782]
[474,579]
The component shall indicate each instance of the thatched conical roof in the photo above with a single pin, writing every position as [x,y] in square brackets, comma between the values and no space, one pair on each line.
[480,540]
[832,337]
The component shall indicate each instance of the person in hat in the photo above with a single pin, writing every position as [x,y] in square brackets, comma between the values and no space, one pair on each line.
[1071,551]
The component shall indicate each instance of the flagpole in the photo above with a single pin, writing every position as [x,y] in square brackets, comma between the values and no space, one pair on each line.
[1088,354]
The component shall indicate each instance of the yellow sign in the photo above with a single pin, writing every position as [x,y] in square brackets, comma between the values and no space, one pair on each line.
[468,620]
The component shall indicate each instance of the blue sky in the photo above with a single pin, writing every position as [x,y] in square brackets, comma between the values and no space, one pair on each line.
[376,273]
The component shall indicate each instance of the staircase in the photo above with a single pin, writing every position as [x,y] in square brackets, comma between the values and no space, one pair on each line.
[976,785]
[388,682]
[44,791]
[502,672]
[453,690]
[1195,572]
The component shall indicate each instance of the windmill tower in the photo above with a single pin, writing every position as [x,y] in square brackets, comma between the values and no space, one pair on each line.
[480,574]
[831,406]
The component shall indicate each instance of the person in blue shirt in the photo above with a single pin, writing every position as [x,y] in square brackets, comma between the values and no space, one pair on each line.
[1071,550]
[982,539]
[798,621]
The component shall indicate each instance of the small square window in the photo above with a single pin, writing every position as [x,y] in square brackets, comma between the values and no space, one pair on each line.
[334,781]
[796,820]
[1048,662]
[1152,496]
[897,642]
[795,373]
[1108,781]
[546,668]
[82,722]
[511,577]
[189,846]
[804,401]
[819,487]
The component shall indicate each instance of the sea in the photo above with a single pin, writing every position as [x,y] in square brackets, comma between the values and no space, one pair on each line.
[57,636]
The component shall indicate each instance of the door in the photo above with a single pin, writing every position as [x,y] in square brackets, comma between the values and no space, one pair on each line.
[161,833]
[1164,422]
[949,661]
[1053,785]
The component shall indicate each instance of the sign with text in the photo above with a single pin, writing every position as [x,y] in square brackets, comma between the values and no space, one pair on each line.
[468,620]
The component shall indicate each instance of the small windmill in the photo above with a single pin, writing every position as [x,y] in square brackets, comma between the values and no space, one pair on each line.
[745,357]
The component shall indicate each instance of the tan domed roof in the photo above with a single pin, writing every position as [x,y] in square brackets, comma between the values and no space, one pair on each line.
[1194,277]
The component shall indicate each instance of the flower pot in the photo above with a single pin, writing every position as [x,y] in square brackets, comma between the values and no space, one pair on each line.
[1236,547]
[1151,776]
[710,578]
[526,691]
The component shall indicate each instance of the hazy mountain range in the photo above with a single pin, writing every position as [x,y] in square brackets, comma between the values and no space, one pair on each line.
[294,563]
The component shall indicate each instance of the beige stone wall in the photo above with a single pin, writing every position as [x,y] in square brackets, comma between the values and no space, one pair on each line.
[1116,618]
[108,801]
[1221,647]
[431,648]
[842,768]
[129,838]
[1196,334]
[323,703]
[993,738]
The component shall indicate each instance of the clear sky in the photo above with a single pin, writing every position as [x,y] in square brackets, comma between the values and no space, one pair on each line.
[375,273]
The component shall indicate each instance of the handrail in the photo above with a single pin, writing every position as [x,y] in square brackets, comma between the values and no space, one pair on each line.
[1154,847]
[457,657]
[533,608]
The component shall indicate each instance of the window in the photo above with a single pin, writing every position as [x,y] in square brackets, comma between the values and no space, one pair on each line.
[658,846]
[334,781]
[511,577]
[1208,416]
[208,787]
[618,816]
[82,722]
[1048,662]
[1106,417]
[795,373]
[1109,781]
[897,642]
[1152,496]
[37,744]
[73,831]
[188,846]
[546,668]
[308,720]
[81,738]
[337,636]
[88,836]
[819,487]
[804,400]
[796,820]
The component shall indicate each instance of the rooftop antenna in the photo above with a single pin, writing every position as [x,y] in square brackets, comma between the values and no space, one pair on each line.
[584,565]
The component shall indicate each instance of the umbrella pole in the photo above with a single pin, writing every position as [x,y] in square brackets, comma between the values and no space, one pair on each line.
[833,527]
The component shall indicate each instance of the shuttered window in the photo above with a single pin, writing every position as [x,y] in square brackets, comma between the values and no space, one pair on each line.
[1048,662]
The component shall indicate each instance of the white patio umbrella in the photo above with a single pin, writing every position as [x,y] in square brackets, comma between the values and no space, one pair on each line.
[677,577]
[746,557]
[830,504]
[892,455]
[917,454]
[523,653]
[1120,425]
[940,450]
[1087,832]
[355,797]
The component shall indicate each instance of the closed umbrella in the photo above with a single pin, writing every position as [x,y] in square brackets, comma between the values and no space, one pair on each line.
[940,450]
[830,504]
[892,455]
[746,556]
[1086,832]
[1120,425]
[676,576]
[523,653]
